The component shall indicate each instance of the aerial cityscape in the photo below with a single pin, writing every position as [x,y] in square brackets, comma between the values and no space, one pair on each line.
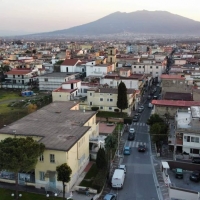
[100,100]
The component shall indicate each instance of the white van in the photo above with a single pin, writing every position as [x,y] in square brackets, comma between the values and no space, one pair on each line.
[150,105]
[118,178]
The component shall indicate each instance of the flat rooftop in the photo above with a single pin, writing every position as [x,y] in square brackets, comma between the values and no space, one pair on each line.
[58,127]
[59,74]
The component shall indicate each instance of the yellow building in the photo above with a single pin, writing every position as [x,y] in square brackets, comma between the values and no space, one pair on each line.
[65,131]
[106,99]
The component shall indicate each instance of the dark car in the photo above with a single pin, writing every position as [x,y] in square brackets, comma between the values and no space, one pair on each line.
[195,176]
[141,148]
[155,97]
[131,136]
[135,118]
[179,173]
[196,160]
[149,97]
[137,114]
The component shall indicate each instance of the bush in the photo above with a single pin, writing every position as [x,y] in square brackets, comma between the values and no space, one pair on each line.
[99,180]
[128,120]
[95,108]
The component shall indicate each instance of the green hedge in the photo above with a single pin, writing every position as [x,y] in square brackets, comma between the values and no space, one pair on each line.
[99,180]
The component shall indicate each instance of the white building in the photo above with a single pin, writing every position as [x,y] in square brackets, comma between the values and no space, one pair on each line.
[54,80]
[187,130]
[69,65]
[155,69]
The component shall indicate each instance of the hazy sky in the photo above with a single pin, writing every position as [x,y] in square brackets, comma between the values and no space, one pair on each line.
[49,15]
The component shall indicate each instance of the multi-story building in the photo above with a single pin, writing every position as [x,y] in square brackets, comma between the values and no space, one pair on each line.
[187,136]
[68,91]
[54,80]
[65,131]
[106,99]
[20,78]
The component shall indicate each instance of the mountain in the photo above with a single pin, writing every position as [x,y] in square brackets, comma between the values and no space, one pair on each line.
[12,33]
[156,22]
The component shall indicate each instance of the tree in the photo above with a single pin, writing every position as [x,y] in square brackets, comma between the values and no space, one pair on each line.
[155,118]
[101,159]
[19,154]
[64,173]
[159,132]
[4,68]
[110,144]
[122,102]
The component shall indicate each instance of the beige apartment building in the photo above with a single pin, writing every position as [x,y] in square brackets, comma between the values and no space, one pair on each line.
[106,99]
[65,131]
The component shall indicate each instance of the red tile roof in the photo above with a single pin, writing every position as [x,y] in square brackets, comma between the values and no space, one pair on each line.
[170,76]
[175,103]
[70,62]
[19,71]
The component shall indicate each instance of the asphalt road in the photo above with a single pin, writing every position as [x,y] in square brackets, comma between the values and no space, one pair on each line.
[139,182]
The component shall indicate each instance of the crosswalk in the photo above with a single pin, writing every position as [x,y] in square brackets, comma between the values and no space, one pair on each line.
[139,124]
[135,143]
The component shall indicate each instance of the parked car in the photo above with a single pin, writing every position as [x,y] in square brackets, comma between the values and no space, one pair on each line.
[150,105]
[131,130]
[141,109]
[110,196]
[179,173]
[149,97]
[127,150]
[155,97]
[118,179]
[135,118]
[131,136]
[141,147]
[122,167]
[137,114]
[196,160]
[195,176]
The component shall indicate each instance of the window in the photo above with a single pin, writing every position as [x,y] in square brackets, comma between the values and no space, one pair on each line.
[19,81]
[101,107]
[101,99]
[134,66]
[18,75]
[46,79]
[150,67]
[156,72]
[13,76]
[111,100]
[156,67]
[194,151]
[110,94]
[143,66]
[110,108]
[107,99]
[42,176]
[41,158]
[187,138]
[52,158]
[90,94]
[139,66]
[195,139]
[90,103]
[59,95]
